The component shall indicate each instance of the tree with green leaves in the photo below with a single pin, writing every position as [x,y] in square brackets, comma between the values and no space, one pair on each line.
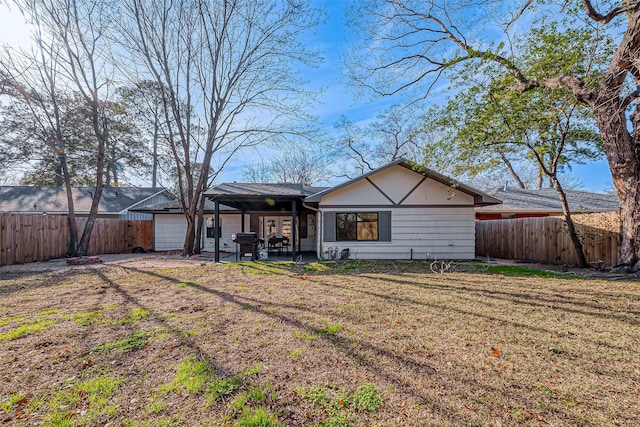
[25,138]
[412,44]
[548,126]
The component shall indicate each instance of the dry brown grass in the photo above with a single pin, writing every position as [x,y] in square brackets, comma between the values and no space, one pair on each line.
[461,348]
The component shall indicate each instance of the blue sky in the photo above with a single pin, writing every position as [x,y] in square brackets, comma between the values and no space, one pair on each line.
[338,99]
[332,39]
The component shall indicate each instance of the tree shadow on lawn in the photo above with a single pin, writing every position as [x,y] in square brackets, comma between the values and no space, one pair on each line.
[344,345]
[51,279]
[445,288]
[361,352]
[183,338]
[530,299]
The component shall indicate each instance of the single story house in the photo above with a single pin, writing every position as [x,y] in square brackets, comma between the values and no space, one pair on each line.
[523,203]
[397,211]
[116,202]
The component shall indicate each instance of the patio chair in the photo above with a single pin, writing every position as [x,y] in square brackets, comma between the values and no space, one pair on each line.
[273,245]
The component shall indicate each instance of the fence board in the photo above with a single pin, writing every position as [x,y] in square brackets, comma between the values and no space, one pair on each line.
[546,239]
[33,237]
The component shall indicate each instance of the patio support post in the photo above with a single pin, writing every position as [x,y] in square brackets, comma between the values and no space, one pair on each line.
[217,230]
[242,219]
[294,226]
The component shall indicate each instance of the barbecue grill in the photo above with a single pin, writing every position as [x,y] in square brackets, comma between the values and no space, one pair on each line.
[246,243]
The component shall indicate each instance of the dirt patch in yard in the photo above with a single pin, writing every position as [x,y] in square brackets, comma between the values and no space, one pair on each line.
[142,341]
[143,260]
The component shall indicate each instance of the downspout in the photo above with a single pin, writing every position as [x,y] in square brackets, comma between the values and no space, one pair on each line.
[203,225]
[216,221]
[319,228]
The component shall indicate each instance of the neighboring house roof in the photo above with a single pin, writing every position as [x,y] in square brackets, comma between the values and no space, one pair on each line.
[480,198]
[546,200]
[114,200]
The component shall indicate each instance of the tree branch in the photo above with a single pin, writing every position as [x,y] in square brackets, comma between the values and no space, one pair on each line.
[519,14]
[624,103]
[605,19]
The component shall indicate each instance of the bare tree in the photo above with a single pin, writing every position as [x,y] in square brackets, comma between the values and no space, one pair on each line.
[227,80]
[68,56]
[396,133]
[144,100]
[257,172]
[412,44]
[304,167]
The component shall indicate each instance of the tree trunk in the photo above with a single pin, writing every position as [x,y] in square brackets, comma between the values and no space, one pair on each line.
[187,249]
[582,261]
[629,191]
[72,248]
[620,145]
[58,180]
[197,248]
[91,220]
[623,154]
[102,137]
[154,169]
[512,171]
[539,178]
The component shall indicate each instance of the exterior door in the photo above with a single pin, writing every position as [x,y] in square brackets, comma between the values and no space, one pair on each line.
[279,226]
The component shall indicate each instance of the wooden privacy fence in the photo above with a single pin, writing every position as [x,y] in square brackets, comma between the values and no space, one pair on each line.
[33,237]
[547,239]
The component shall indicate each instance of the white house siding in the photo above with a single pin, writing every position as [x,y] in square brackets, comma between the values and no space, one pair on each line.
[417,233]
[398,185]
[169,232]
[170,229]
[231,224]
[429,219]
[358,193]
[136,216]
[158,198]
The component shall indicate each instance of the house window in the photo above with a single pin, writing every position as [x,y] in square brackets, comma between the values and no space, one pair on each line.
[357,226]
[211,234]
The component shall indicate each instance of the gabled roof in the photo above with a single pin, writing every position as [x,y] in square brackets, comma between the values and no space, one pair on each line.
[545,200]
[32,199]
[480,198]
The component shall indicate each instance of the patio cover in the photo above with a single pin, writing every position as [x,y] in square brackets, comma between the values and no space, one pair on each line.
[260,197]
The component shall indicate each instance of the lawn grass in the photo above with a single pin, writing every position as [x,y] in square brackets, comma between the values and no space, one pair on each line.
[330,344]
[517,271]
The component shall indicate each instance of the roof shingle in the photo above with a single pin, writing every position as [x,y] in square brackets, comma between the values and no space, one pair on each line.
[547,200]
[31,199]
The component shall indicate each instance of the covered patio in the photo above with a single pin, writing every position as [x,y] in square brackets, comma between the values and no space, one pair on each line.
[275,210]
